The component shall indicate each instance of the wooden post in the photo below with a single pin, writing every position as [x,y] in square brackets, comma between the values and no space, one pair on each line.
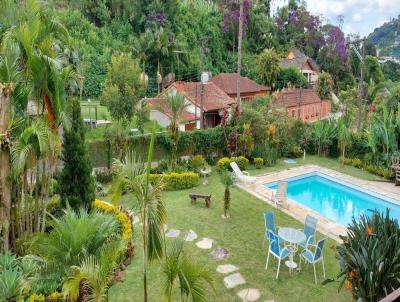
[5,170]
[239,61]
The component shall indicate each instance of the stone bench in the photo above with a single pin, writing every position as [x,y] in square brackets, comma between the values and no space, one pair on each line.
[206,197]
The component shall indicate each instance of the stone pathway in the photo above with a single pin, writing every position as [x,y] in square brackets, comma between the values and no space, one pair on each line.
[234,280]
[190,236]
[249,294]
[226,268]
[172,233]
[219,253]
[205,243]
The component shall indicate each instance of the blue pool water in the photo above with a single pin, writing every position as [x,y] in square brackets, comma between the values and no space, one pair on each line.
[337,201]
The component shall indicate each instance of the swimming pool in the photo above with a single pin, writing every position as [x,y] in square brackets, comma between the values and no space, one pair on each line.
[334,199]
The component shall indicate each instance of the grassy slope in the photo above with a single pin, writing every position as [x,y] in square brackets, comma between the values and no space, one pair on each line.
[241,235]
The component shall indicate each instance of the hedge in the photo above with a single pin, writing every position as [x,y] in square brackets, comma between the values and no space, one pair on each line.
[178,181]
[208,142]
[224,163]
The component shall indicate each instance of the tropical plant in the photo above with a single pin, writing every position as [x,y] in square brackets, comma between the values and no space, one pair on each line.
[246,141]
[175,106]
[133,176]
[370,257]
[267,65]
[191,276]
[76,182]
[325,85]
[73,237]
[227,181]
[92,275]
[344,134]
[324,134]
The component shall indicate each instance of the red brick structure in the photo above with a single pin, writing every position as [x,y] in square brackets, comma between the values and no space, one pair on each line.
[303,104]
[249,89]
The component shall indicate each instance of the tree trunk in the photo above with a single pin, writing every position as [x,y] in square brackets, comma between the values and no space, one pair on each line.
[49,108]
[239,61]
[5,170]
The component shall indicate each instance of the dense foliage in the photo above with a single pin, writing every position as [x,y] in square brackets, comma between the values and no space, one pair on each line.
[370,257]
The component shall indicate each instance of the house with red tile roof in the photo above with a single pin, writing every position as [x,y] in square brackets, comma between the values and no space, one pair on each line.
[303,104]
[214,102]
[249,89]
[307,66]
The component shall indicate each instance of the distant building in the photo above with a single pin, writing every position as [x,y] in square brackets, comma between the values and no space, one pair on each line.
[249,89]
[303,63]
[303,104]
[214,101]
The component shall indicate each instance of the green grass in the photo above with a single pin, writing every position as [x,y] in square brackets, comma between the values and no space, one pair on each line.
[241,235]
[102,111]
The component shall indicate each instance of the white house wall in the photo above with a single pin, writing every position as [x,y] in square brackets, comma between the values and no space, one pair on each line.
[162,119]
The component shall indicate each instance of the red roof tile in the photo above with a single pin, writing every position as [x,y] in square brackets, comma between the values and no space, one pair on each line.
[292,96]
[228,81]
[214,98]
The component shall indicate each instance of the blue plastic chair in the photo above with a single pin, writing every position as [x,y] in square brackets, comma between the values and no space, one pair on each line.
[269,221]
[276,250]
[314,257]
[310,230]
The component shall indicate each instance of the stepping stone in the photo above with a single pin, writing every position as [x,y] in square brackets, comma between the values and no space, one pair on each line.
[205,243]
[249,294]
[226,268]
[172,233]
[234,280]
[219,253]
[190,236]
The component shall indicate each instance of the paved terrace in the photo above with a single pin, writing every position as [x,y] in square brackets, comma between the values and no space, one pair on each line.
[325,225]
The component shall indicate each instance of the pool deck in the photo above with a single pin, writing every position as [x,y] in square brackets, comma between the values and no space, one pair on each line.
[299,212]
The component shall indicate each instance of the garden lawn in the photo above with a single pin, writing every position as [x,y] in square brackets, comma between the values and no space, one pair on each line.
[242,236]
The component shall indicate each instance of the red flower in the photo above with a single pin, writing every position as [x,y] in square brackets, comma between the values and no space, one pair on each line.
[369,231]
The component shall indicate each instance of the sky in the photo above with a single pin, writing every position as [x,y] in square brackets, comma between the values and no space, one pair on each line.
[360,16]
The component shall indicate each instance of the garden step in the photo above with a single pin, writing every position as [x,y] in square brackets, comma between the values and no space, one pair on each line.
[234,280]
[205,243]
[172,233]
[226,268]
[190,236]
[249,294]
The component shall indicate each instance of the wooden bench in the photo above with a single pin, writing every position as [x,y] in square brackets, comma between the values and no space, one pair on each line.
[206,197]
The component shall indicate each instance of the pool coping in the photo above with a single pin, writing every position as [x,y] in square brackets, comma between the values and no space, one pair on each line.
[325,225]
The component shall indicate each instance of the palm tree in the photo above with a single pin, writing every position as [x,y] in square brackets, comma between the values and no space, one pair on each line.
[133,176]
[92,276]
[344,134]
[227,181]
[175,107]
[191,276]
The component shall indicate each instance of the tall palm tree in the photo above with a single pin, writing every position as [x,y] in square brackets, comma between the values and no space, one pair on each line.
[133,176]
[175,106]
[191,276]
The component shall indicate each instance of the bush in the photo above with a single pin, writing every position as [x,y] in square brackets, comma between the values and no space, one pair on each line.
[258,162]
[103,175]
[295,151]
[178,181]
[223,163]
[196,163]
[356,162]
[370,257]
[381,171]
[241,161]
[346,161]
[267,153]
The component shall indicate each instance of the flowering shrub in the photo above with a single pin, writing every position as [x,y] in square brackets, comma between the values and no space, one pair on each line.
[224,163]
[370,257]
[55,296]
[122,217]
[357,163]
[36,298]
[197,162]
[178,181]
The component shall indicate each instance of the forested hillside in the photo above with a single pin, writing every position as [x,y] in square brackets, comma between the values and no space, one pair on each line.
[387,38]
[185,36]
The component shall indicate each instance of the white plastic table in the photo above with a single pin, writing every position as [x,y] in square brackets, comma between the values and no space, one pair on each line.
[293,237]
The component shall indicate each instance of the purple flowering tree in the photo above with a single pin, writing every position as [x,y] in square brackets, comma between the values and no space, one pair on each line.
[231,10]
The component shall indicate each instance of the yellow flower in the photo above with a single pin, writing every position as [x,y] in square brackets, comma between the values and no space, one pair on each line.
[369,230]
[36,298]
[348,285]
